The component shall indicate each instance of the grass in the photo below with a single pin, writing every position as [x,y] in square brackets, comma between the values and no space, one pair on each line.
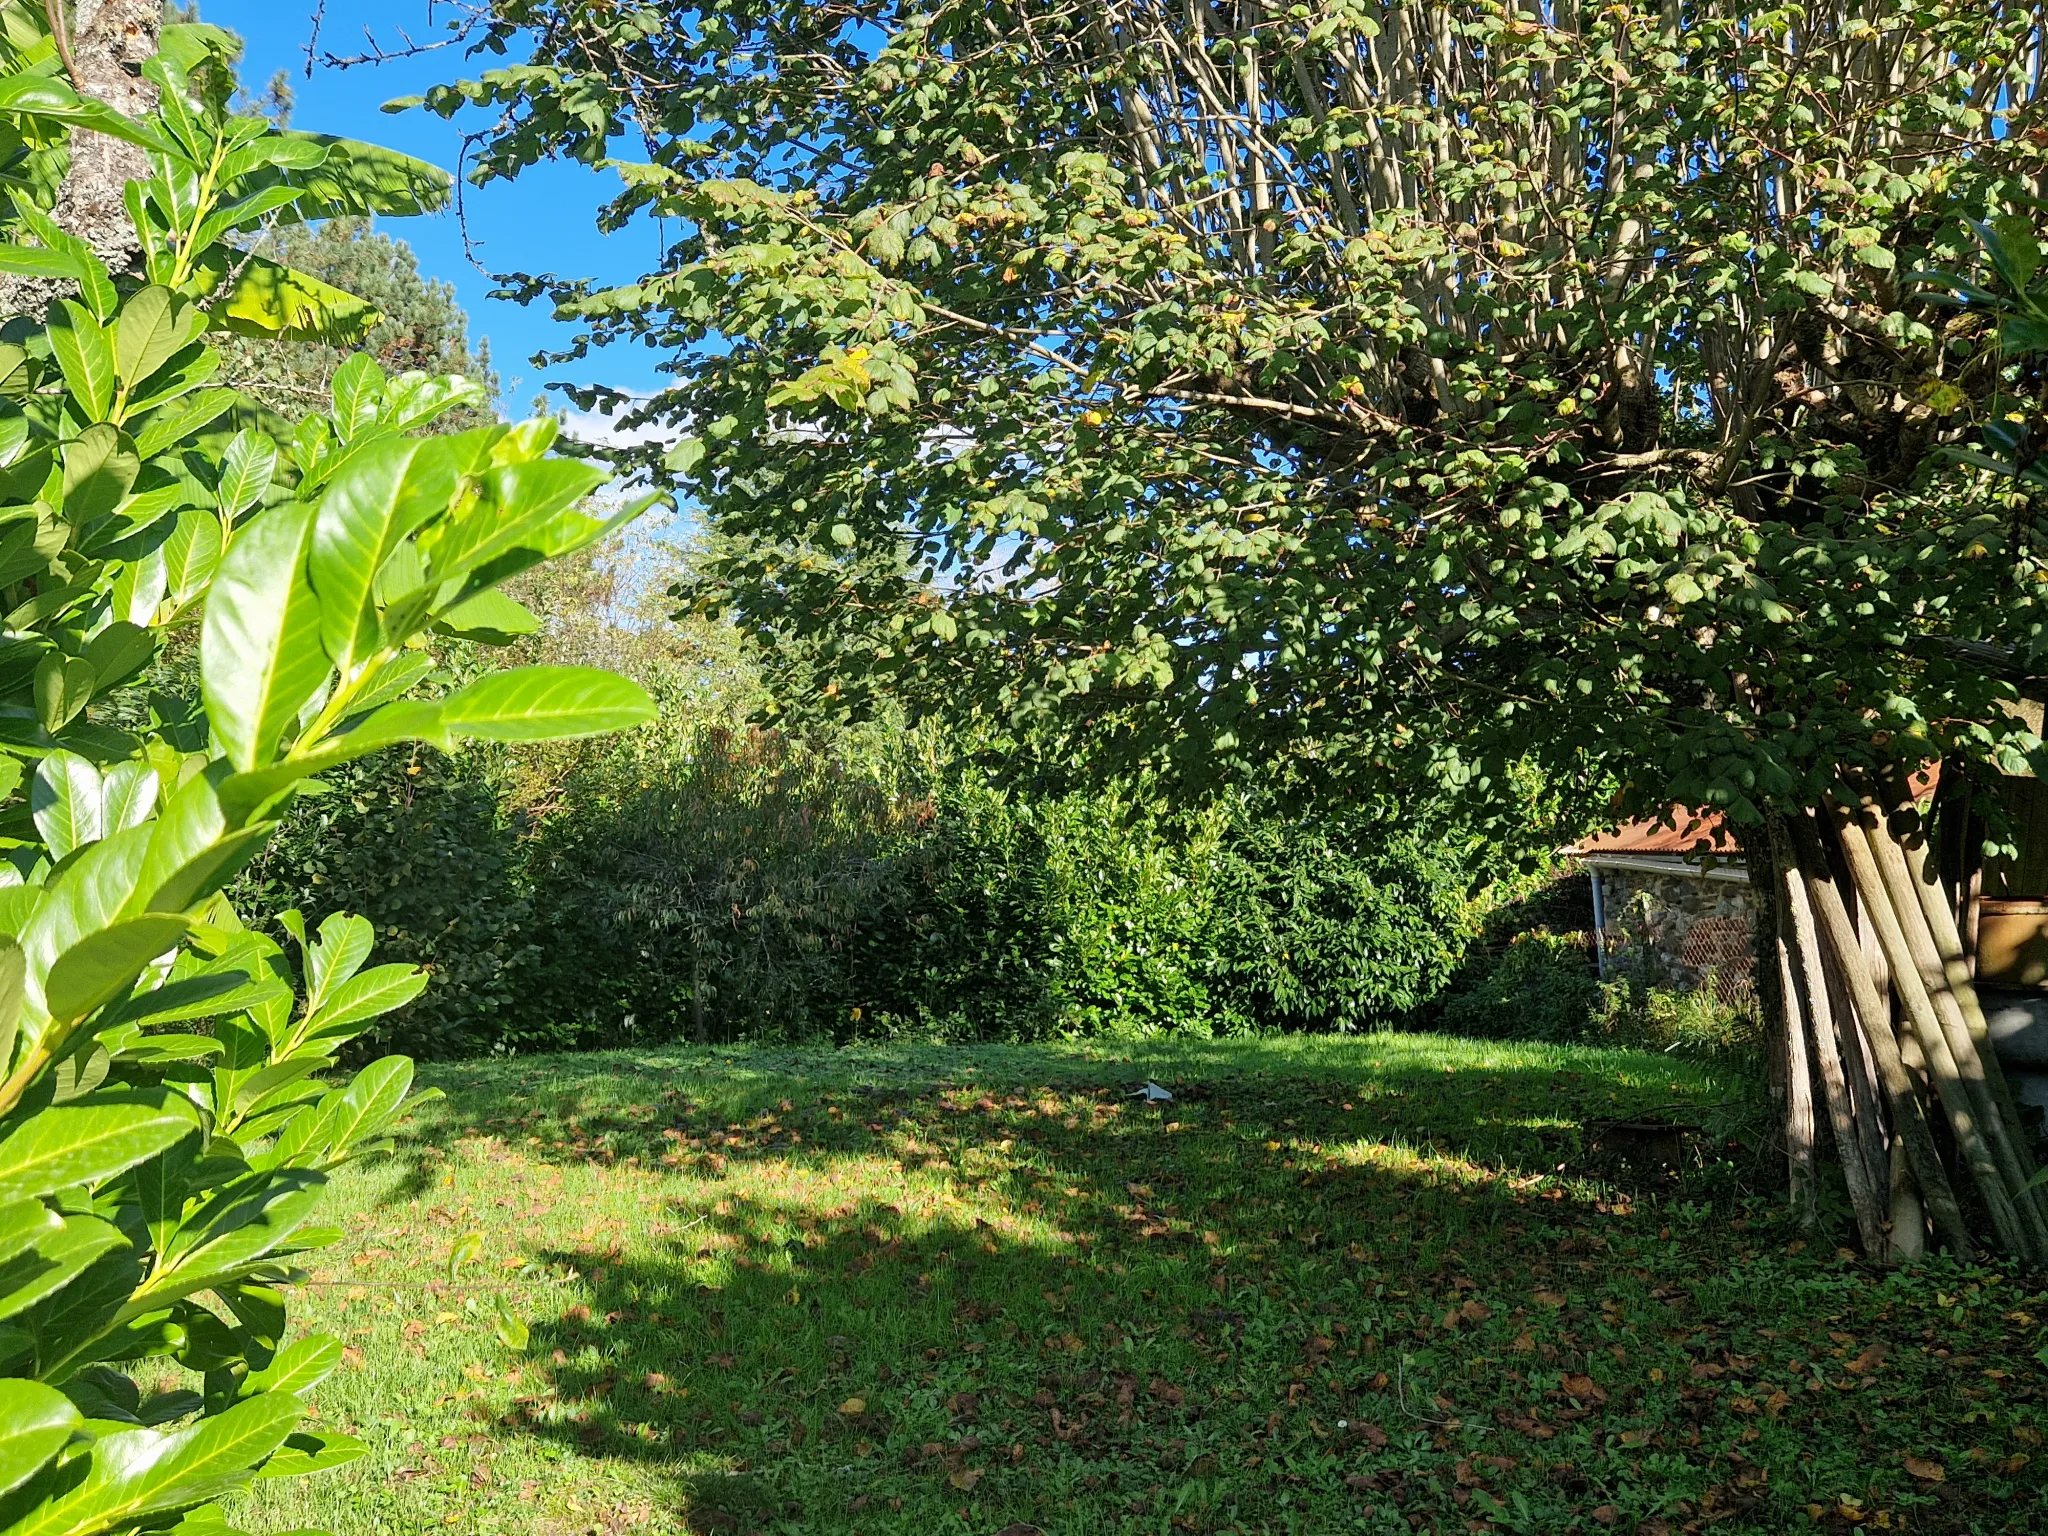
[1372,1284]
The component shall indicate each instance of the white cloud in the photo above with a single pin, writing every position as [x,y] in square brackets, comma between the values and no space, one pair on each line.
[601,431]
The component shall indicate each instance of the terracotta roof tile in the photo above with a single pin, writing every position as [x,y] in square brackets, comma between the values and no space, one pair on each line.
[1693,828]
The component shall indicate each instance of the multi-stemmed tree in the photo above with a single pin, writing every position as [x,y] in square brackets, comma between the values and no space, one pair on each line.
[1409,390]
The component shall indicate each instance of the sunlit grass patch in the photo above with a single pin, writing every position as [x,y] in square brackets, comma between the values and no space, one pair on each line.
[1333,1285]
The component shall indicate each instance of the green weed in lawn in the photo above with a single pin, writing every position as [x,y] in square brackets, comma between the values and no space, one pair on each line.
[1339,1284]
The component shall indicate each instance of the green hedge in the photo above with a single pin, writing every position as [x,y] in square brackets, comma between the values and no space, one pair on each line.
[716,882]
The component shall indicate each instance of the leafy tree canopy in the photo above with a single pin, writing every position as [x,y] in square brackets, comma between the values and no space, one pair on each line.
[1402,387]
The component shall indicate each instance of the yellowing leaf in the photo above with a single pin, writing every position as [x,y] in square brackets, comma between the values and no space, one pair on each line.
[273,301]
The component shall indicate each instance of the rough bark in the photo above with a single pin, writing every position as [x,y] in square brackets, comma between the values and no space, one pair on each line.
[107,43]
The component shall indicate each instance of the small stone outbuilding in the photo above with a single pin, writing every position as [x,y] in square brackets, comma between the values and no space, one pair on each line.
[1684,917]
[1677,902]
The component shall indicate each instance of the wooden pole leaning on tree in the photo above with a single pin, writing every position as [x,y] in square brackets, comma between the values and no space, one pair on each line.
[1958,1085]
[1971,1048]
[1803,976]
[1910,1129]
[1955,966]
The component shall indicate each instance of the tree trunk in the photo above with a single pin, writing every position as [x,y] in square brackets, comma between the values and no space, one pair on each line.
[1795,982]
[107,42]
[1864,1169]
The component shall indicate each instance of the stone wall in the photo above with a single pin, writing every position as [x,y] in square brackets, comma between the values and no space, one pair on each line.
[1683,929]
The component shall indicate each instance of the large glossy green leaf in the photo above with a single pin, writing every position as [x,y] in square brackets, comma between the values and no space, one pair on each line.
[279,1074]
[91,1142]
[87,1143]
[103,966]
[36,1422]
[65,798]
[46,96]
[63,687]
[85,355]
[546,704]
[86,895]
[153,326]
[95,283]
[489,618]
[193,849]
[361,1110]
[273,302]
[160,1050]
[34,261]
[201,995]
[303,1452]
[127,795]
[100,467]
[246,470]
[13,988]
[242,1223]
[386,490]
[172,424]
[260,657]
[525,505]
[261,1312]
[337,952]
[191,553]
[140,1472]
[377,991]
[22,1223]
[357,390]
[54,1260]
[298,1368]
[118,652]
[358,178]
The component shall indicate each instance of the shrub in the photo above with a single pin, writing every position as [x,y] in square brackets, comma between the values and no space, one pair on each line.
[419,839]
[1692,1021]
[1332,923]
[1539,986]
[166,1120]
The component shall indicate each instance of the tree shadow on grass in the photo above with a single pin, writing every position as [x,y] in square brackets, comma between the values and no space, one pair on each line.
[1278,1304]
[1528,1118]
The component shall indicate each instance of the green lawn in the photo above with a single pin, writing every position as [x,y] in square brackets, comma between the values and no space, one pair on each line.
[1367,1284]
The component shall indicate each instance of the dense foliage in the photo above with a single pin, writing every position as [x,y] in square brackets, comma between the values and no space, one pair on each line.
[168,1113]
[1424,388]
[706,880]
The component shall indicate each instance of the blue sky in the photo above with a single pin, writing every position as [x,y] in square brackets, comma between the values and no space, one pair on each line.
[542,223]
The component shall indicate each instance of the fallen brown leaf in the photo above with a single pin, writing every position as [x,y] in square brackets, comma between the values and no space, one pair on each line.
[1871,1357]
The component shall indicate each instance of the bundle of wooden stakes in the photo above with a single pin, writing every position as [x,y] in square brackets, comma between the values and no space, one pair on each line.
[1889,1077]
